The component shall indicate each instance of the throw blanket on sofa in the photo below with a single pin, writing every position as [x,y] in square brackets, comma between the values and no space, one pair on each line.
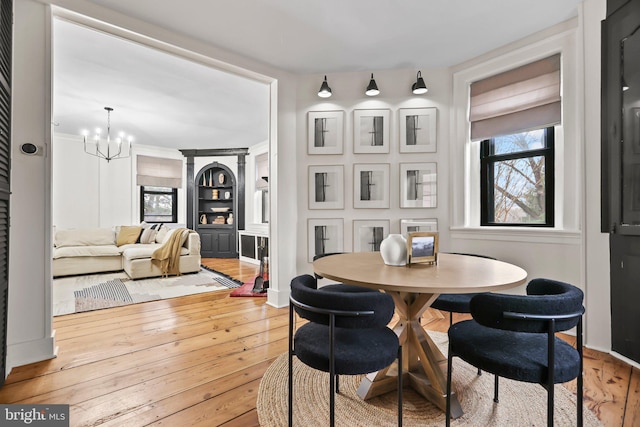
[167,256]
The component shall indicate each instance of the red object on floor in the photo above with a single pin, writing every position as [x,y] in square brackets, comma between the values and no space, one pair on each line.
[246,290]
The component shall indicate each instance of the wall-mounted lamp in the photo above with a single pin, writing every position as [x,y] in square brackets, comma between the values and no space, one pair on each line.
[625,86]
[372,89]
[325,90]
[419,87]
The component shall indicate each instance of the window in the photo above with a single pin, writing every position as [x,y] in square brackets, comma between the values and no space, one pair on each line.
[517,183]
[158,204]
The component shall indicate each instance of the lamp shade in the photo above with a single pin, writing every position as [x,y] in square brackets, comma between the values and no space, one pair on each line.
[419,87]
[325,90]
[372,89]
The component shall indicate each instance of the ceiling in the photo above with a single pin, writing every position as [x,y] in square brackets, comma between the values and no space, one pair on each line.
[167,101]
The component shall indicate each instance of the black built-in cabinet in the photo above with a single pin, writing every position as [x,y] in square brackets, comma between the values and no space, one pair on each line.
[620,189]
[216,211]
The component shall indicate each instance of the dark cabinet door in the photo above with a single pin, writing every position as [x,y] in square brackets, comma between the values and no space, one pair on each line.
[621,169]
[6,25]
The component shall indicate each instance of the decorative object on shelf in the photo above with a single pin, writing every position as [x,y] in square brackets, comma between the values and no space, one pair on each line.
[204,180]
[325,132]
[394,250]
[325,90]
[419,88]
[227,195]
[219,220]
[214,194]
[203,219]
[422,246]
[104,150]
[221,178]
[220,209]
[230,219]
[211,179]
[372,88]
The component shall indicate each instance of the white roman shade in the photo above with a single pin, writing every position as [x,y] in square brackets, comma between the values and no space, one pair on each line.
[527,97]
[159,172]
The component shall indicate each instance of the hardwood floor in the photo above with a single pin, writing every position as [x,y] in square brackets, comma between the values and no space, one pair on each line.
[198,360]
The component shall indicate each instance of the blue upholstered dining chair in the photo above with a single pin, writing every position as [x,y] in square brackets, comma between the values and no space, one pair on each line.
[456,303]
[347,334]
[513,336]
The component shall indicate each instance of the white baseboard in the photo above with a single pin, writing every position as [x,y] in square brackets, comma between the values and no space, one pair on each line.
[31,351]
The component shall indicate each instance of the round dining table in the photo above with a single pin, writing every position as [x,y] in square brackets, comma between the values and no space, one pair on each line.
[413,288]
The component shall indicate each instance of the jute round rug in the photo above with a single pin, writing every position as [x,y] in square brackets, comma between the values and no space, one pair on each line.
[521,404]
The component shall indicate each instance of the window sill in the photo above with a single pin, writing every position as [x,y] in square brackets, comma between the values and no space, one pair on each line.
[518,234]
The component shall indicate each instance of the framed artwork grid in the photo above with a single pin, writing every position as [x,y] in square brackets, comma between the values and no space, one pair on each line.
[326,187]
[371,131]
[417,130]
[368,234]
[325,132]
[325,236]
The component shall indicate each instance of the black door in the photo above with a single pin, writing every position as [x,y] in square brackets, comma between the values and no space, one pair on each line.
[6,22]
[621,169]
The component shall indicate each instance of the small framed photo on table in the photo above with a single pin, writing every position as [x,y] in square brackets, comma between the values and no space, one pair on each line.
[422,246]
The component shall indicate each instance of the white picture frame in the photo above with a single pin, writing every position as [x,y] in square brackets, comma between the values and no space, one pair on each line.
[418,225]
[418,185]
[371,185]
[418,130]
[326,187]
[324,236]
[325,132]
[371,130]
[368,234]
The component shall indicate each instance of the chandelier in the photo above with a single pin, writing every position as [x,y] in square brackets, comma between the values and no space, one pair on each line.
[104,149]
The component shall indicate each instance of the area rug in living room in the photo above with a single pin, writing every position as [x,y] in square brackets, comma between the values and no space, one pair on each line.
[76,294]
[521,404]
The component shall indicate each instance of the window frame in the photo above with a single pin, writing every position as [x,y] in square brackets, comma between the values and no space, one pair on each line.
[487,194]
[174,204]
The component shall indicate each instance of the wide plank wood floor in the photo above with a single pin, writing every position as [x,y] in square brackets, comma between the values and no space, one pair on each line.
[197,361]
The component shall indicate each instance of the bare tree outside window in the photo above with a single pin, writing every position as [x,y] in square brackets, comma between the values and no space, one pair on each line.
[517,179]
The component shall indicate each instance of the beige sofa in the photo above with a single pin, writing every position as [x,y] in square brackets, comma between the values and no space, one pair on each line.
[96,250]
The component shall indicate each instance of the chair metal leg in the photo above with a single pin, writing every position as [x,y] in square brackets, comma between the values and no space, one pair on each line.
[338,384]
[447,414]
[290,414]
[580,379]
[495,390]
[400,386]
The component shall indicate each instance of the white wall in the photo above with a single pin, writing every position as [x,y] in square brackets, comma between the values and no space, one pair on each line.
[29,334]
[597,279]
[91,192]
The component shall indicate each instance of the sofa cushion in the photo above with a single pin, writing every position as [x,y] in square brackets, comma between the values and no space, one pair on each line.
[149,233]
[86,251]
[183,238]
[84,237]
[162,233]
[145,251]
[128,234]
